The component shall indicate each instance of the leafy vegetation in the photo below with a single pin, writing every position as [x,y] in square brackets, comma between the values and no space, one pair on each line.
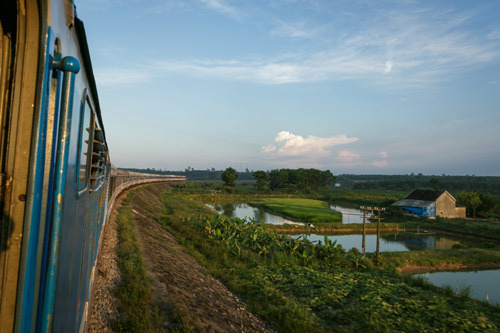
[238,235]
[262,179]
[306,210]
[300,179]
[229,177]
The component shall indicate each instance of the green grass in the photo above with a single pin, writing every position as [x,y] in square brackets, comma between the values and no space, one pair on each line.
[356,198]
[436,258]
[137,313]
[336,227]
[469,227]
[306,210]
[236,271]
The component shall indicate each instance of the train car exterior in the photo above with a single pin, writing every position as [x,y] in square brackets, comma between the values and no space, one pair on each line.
[56,184]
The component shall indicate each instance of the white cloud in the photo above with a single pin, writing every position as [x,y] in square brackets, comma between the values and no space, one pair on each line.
[268,148]
[450,124]
[380,164]
[415,47]
[295,30]
[492,82]
[347,156]
[494,34]
[222,7]
[388,66]
[314,147]
[298,150]
[120,76]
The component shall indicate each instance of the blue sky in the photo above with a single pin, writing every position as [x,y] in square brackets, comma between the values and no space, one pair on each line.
[379,87]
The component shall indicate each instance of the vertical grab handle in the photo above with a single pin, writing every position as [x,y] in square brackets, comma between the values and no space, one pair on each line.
[70,67]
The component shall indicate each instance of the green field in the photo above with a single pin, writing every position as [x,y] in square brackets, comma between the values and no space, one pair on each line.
[306,210]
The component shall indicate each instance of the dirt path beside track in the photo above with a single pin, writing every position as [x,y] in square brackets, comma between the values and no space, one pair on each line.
[179,284]
[104,305]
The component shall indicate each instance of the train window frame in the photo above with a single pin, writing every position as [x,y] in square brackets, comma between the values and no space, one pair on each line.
[99,158]
[82,183]
[96,176]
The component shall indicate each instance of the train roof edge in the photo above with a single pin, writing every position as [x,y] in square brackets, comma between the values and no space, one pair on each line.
[87,63]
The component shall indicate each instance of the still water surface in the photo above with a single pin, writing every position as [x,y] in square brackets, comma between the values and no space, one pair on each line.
[243,210]
[389,242]
[350,215]
[394,242]
[481,283]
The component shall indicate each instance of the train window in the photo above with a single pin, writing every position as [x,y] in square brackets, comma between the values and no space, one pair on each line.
[85,131]
[98,158]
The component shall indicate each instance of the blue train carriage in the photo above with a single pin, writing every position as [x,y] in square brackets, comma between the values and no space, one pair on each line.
[55,168]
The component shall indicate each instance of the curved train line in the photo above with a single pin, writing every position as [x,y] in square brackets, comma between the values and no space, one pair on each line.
[57,184]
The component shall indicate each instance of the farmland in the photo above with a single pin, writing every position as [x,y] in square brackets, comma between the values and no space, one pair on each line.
[306,210]
[295,286]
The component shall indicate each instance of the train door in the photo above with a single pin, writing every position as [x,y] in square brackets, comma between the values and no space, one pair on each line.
[69,306]
[19,51]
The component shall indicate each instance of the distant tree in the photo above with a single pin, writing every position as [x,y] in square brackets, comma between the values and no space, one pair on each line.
[262,178]
[434,183]
[470,200]
[328,179]
[487,203]
[229,177]
[278,179]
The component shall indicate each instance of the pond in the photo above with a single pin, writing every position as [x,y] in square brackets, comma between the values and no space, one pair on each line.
[243,210]
[350,215]
[483,284]
[394,242]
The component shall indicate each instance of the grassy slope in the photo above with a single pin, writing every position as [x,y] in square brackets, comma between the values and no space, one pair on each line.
[137,312]
[307,210]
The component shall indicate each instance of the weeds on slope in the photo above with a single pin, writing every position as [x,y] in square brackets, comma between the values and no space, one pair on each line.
[137,314]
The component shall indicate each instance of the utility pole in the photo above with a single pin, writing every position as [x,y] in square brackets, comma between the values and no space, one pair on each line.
[378,210]
[364,229]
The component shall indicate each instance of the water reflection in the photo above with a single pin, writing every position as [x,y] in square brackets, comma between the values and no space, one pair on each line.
[243,210]
[350,215]
[483,283]
[394,242]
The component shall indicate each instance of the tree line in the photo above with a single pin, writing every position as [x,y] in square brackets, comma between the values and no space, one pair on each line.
[408,183]
[476,202]
[284,179]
